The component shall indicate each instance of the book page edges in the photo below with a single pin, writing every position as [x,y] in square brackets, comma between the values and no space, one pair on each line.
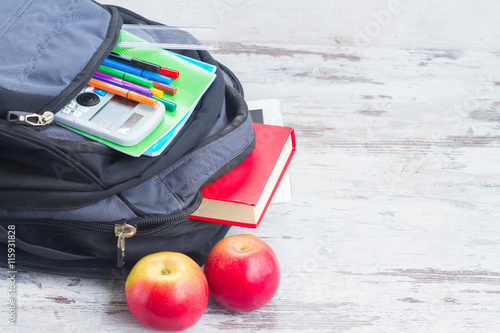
[246,214]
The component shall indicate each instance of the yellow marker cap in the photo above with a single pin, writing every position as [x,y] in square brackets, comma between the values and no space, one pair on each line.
[157,92]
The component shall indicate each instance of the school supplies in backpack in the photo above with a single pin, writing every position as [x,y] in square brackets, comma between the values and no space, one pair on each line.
[75,205]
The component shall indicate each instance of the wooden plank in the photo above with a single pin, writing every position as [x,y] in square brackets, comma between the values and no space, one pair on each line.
[364,23]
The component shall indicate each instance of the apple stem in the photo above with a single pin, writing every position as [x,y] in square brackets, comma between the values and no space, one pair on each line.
[165,272]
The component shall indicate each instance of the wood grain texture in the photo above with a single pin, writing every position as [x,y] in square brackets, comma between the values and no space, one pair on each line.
[394,223]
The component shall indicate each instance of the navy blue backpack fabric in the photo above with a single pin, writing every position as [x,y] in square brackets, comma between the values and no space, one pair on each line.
[64,194]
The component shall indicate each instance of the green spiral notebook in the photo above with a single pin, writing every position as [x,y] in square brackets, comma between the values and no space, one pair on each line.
[191,84]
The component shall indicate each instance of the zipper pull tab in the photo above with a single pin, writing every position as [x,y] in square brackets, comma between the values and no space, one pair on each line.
[29,118]
[122,231]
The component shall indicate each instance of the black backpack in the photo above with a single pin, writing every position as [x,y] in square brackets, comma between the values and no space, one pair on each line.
[73,206]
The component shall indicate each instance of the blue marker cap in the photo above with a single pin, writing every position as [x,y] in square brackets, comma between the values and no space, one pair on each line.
[156,77]
[123,67]
[137,71]
[100,92]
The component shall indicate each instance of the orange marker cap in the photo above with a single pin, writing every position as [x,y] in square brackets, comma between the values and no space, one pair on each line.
[133,96]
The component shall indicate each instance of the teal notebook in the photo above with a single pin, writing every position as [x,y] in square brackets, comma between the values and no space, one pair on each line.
[191,84]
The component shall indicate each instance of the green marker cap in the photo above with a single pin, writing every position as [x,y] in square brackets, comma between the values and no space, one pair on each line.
[111,71]
[138,80]
[126,76]
[169,106]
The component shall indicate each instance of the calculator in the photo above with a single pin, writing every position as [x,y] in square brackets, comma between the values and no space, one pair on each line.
[110,117]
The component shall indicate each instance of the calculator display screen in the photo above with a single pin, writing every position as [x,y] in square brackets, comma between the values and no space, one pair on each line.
[115,114]
[127,125]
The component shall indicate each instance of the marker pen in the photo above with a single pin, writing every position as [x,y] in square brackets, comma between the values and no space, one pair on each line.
[169,72]
[169,106]
[171,90]
[132,95]
[144,65]
[137,71]
[126,76]
[135,62]
[123,84]
[157,92]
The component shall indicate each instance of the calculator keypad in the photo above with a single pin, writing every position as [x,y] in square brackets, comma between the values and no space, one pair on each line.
[76,110]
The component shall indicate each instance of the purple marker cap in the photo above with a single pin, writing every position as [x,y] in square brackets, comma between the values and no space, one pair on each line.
[123,84]
[137,88]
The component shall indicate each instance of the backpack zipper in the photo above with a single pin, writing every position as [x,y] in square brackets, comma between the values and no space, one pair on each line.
[127,229]
[122,231]
[36,119]
[29,118]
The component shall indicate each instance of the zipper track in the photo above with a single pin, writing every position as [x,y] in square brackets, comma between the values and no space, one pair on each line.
[158,222]
[67,95]
[168,220]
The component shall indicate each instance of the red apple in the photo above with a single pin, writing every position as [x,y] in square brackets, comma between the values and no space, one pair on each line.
[167,291]
[242,272]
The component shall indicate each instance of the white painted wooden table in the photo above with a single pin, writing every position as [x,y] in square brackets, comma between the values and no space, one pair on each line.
[394,224]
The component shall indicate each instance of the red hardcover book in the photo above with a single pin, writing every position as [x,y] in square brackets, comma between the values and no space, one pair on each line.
[242,196]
